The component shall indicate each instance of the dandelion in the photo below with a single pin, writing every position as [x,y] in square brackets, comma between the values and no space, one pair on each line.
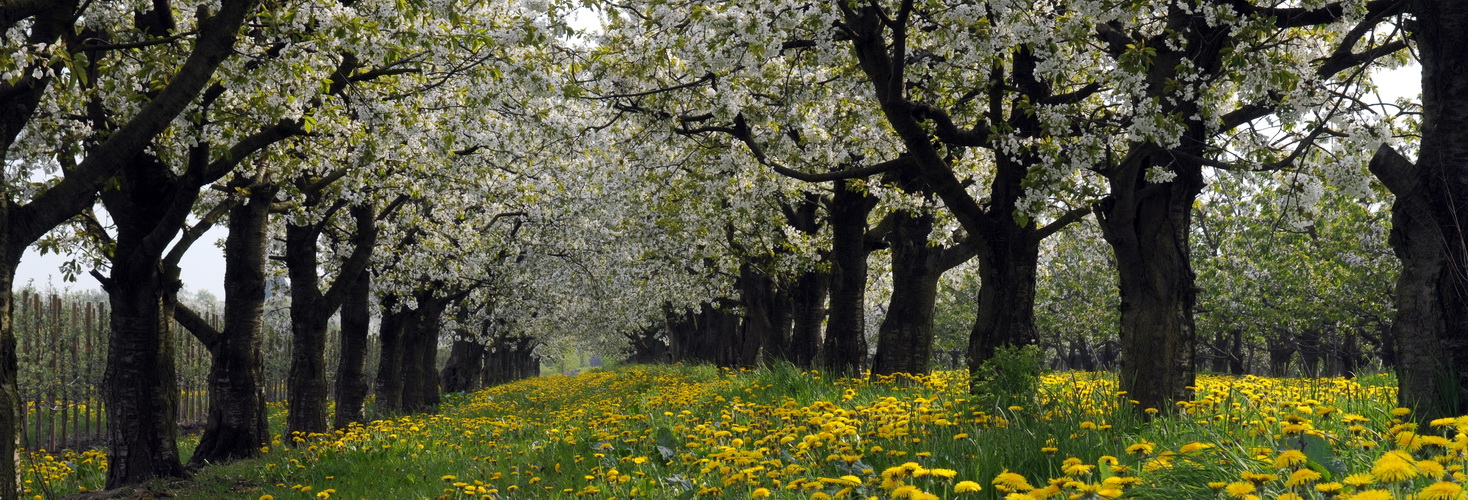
[1142,448]
[1441,491]
[1302,477]
[1359,479]
[1239,489]
[1394,466]
[760,493]
[967,487]
[1008,481]
[1290,458]
[1373,495]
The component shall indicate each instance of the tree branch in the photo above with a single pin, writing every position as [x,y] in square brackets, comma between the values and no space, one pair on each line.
[193,322]
[1394,170]
[193,233]
[1071,216]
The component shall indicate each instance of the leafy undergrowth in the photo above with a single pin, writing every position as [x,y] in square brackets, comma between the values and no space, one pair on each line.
[700,432]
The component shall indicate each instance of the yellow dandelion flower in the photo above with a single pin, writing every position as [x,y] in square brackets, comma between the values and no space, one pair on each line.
[1394,466]
[1302,477]
[1240,489]
[760,493]
[1331,487]
[1290,458]
[967,487]
[1443,490]
[1359,479]
[1008,481]
[1373,495]
[1194,446]
[943,473]
[1142,448]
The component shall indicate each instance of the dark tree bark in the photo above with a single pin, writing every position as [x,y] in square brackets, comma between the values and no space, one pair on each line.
[511,358]
[808,298]
[141,389]
[418,370]
[845,348]
[311,308]
[1430,330]
[647,346]
[306,389]
[236,426]
[807,295]
[706,336]
[149,209]
[1281,347]
[765,321]
[461,371]
[1310,351]
[905,338]
[389,383]
[351,376]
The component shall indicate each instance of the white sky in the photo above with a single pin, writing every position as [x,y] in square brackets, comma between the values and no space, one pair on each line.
[203,265]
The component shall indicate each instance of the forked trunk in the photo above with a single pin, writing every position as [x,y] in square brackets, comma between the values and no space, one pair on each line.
[236,426]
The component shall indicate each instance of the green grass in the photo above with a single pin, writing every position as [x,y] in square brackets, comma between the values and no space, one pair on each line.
[698,431]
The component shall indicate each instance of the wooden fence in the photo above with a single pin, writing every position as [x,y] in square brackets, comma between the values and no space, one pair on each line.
[61,344]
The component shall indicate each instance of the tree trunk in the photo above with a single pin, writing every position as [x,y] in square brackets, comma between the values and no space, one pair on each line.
[391,335]
[1150,241]
[351,377]
[809,311]
[1310,351]
[420,371]
[1008,258]
[905,338]
[236,427]
[140,382]
[306,389]
[1430,330]
[10,404]
[759,326]
[466,360]
[311,310]
[845,349]
[646,347]
[141,388]
[1236,352]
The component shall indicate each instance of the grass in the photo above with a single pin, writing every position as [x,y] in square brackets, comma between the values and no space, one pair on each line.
[701,432]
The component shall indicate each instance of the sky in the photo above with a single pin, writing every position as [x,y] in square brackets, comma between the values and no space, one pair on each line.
[203,266]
